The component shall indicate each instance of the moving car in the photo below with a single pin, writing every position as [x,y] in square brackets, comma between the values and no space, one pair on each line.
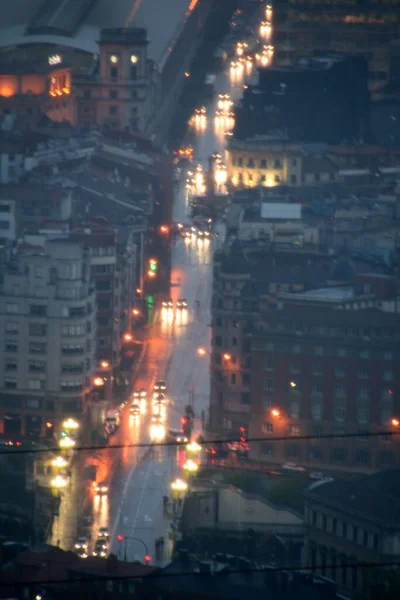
[136,394]
[103,532]
[203,233]
[81,543]
[143,393]
[134,409]
[178,436]
[159,398]
[156,419]
[167,303]
[82,553]
[182,303]
[101,488]
[160,386]
[100,548]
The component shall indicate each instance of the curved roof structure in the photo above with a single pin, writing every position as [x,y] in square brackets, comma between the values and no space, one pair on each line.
[77,23]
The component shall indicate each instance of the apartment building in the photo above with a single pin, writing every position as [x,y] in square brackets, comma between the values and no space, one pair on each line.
[47,354]
[349,522]
[325,362]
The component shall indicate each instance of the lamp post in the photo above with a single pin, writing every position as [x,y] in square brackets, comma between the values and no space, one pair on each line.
[123,538]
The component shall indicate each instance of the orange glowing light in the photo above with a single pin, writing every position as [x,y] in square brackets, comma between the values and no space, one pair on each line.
[201,351]
[227,356]
[104,364]
[98,381]
[395,422]
[275,412]
[138,291]
[135,312]
[128,337]
[164,229]
[151,274]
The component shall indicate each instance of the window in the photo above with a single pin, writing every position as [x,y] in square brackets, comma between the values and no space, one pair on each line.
[11,327]
[339,412]
[267,449]
[37,366]
[33,403]
[319,350]
[267,403]
[316,431]
[234,341]
[388,375]
[294,430]
[10,346]
[388,356]
[340,372]
[113,94]
[294,409]
[218,322]
[317,369]
[10,365]
[340,389]
[316,411]
[277,178]
[218,340]
[246,379]
[72,349]
[268,384]
[37,310]
[72,367]
[364,354]
[268,364]
[363,372]
[342,352]
[296,349]
[71,385]
[293,179]
[114,72]
[268,428]
[245,398]
[10,383]
[277,164]
[37,329]
[363,412]
[295,367]
[317,388]
[37,348]
[339,455]
[12,307]
[113,110]
[72,330]
[233,379]
[250,163]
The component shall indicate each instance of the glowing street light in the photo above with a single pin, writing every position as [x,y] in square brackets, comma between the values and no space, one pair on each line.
[190,466]
[275,412]
[59,482]
[59,462]
[66,443]
[128,337]
[201,351]
[98,381]
[179,486]
[135,312]
[104,364]
[293,384]
[193,447]
[227,356]
[395,422]
[70,424]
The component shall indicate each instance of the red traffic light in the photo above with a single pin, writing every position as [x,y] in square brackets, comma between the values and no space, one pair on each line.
[147,558]
[120,537]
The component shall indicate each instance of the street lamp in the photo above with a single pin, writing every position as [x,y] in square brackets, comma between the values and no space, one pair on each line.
[70,424]
[66,443]
[59,462]
[104,364]
[227,356]
[179,486]
[395,422]
[201,351]
[190,466]
[59,482]
[135,312]
[98,381]
[275,412]
[193,447]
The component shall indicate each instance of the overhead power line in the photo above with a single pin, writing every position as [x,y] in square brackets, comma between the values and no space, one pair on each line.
[160,574]
[284,438]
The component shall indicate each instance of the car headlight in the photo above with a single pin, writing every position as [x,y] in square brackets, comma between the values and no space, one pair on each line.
[104,489]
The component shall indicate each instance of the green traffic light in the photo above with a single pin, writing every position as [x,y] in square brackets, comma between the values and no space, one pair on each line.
[63,434]
[150,300]
[153,267]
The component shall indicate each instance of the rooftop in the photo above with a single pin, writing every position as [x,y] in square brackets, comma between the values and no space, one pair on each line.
[375,497]
[28,22]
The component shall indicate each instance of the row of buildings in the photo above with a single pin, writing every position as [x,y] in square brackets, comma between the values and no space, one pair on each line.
[75,212]
[305,332]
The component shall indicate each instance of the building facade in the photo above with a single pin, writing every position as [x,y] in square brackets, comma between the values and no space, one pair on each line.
[325,363]
[349,522]
[121,94]
[47,355]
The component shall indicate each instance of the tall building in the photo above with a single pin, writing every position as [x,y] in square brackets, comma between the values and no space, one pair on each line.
[305,28]
[349,522]
[47,354]
[122,92]
[100,242]
[325,362]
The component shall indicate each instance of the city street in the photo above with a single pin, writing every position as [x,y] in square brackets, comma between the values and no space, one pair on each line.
[138,478]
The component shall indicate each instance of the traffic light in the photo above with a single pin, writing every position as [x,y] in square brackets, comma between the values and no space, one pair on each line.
[147,558]
[63,434]
[153,264]
[120,537]
[150,300]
